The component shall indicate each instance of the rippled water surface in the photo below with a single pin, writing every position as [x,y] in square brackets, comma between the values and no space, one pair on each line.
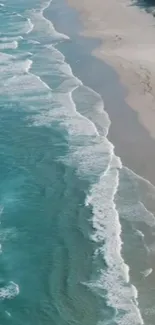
[66,202]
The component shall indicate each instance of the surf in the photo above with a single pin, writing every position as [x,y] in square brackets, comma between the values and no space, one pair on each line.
[50,97]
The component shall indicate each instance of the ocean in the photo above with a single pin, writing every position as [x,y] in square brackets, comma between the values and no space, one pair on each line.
[77,227]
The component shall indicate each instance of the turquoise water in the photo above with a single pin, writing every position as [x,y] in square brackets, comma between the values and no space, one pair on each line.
[63,191]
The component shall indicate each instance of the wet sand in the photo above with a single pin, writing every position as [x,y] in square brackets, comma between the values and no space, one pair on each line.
[128,44]
[104,57]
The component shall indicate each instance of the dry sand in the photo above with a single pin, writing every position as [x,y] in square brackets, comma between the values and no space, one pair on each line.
[128,35]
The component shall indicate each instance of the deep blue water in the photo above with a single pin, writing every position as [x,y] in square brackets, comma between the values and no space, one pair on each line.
[62,190]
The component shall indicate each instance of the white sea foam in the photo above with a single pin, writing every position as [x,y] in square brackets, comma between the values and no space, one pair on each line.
[43,27]
[115,279]
[56,55]
[33,42]
[12,45]
[30,26]
[8,313]
[9,291]
[19,85]
[147,272]
[140,233]
[138,177]
[90,104]
[151,249]
[7,234]
[9,39]
[67,114]
[55,62]
[45,6]
[28,64]
[12,69]
[137,212]
[17,25]
[4,58]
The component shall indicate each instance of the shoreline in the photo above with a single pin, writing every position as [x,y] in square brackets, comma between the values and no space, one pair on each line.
[123,46]
[133,142]
[126,133]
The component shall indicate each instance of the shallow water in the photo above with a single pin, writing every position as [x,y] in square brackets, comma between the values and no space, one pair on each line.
[64,195]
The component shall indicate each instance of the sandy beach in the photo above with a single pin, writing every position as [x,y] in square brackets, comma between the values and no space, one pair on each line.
[128,36]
